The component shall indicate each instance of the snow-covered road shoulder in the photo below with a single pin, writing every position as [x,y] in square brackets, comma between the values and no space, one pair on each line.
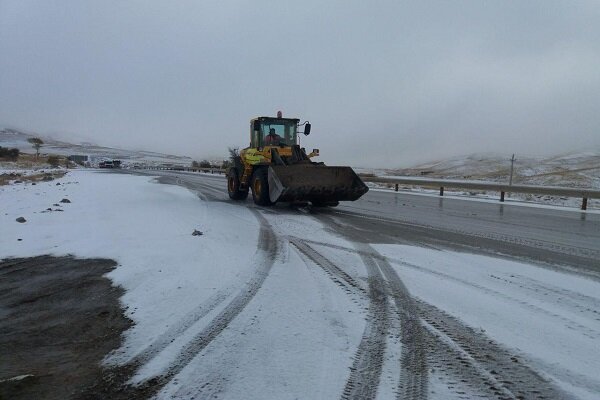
[147,228]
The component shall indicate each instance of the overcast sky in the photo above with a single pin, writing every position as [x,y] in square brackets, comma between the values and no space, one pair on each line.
[384,83]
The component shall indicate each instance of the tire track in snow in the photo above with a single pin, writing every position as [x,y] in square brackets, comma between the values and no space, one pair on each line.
[576,296]
[368,361]
[570,323]
[413,376]
[210,387]
[188,320]
[340,277]
[480,362]
[114,384]
[365,372]
[268,248]
[470,356]
[584,304]
[179,328]
[458,351]
[413,383]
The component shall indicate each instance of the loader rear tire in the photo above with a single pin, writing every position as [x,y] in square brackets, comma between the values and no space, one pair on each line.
[260,187]
[233,186]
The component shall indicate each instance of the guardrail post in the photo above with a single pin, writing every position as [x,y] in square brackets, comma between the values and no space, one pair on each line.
[584,204]
[396,188]
[502,197]
[441,190]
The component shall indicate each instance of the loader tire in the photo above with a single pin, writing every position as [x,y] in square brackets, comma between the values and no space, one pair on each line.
[260,187]
[233,186]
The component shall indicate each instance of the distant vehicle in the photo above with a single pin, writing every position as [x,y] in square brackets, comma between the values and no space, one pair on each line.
[79,159]
[110,164]
[106,164]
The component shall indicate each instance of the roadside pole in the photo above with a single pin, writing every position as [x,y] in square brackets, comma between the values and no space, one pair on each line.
[512,164]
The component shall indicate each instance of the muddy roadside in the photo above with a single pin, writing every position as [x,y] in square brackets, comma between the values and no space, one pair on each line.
[59,318]
[33,178]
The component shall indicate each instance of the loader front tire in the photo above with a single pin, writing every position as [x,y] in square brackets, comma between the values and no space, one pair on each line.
[260,187]
[233,186]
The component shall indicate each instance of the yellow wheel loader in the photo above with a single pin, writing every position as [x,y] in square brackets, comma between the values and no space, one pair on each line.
[277,169]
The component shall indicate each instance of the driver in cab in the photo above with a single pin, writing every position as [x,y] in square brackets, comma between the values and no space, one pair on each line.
[272,139]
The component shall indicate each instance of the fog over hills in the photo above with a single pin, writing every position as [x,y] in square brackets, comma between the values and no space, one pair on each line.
[577,169]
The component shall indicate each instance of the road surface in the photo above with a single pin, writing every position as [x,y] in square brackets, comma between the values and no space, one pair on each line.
[459,298]
[557,236]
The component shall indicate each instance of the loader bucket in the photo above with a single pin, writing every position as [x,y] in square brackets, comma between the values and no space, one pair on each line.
[314,182]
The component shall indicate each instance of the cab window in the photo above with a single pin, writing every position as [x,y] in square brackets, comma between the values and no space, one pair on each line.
[281,133]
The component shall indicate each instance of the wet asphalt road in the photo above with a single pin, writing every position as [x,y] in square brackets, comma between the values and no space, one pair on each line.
[561,238]
[568,228]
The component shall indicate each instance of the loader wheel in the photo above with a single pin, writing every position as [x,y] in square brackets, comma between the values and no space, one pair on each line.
[233,186]
[260,187]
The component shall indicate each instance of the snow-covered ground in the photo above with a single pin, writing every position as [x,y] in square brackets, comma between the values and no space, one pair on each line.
[549,317]
[253,308]
[172,277]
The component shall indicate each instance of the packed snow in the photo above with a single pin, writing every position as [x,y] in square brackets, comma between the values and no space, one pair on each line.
[550,317]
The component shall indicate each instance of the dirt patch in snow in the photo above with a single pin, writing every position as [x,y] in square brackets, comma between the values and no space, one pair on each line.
[16,177]
[59,317]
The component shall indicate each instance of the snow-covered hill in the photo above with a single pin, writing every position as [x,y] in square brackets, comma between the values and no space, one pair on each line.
[14,138]
[578,169]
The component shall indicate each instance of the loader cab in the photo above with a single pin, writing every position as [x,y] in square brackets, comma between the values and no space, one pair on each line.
[282,132]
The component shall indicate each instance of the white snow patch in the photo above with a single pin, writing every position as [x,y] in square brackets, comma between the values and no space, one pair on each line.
[146,228]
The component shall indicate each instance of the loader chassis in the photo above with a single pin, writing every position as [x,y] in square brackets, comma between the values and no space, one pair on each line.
[275,168]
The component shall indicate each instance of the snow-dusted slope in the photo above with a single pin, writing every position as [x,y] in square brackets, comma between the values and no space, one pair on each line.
[577,169]
[14,138]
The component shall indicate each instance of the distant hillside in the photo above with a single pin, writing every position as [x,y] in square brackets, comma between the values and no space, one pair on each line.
[580,169]
[15,138]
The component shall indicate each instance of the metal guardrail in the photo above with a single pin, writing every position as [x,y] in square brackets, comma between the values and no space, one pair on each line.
[584,194]
[186,169]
